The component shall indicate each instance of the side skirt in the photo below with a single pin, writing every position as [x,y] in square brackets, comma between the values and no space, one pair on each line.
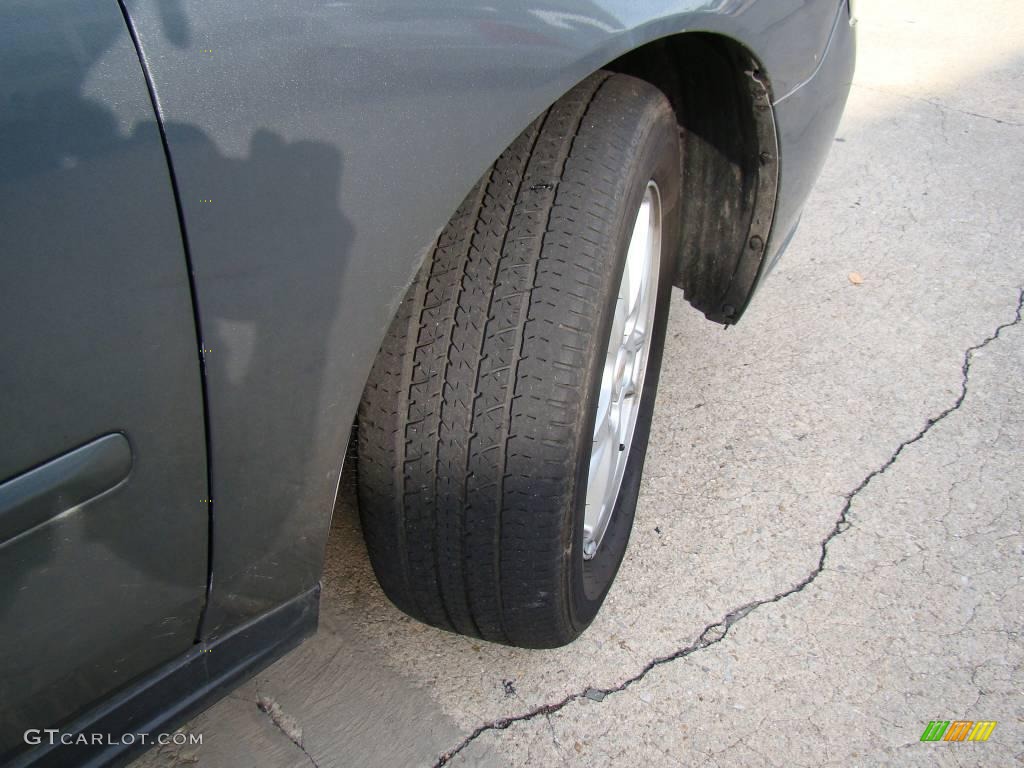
[177,691]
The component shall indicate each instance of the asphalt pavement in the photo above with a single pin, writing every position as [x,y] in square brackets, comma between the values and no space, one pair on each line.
[828,551]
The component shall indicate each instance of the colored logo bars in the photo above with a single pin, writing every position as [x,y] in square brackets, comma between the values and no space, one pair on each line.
[958,730]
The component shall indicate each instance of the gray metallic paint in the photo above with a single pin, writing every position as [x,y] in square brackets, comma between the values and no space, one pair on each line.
[334,140]
[96,337]
[807,119]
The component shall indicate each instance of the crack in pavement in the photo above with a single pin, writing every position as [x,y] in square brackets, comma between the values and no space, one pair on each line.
[716,632]
[285,723]
[939,104]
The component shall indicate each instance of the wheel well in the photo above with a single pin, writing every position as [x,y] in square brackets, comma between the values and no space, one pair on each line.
[723,105]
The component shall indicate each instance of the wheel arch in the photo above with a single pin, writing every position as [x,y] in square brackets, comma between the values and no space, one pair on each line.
[723,99]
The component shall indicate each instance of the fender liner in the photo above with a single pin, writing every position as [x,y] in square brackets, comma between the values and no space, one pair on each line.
[731,155]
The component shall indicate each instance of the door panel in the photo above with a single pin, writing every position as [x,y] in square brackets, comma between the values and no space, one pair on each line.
[102,577]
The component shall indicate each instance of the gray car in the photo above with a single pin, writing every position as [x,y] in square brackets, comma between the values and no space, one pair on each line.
[242,240]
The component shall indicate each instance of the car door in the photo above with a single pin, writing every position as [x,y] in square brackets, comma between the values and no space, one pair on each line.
[103,479]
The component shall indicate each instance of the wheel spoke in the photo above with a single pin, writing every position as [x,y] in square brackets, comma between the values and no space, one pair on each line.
[618,331]
[625,364]
[635,341]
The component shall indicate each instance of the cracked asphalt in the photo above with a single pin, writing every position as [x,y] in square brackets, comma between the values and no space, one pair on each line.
[828,549]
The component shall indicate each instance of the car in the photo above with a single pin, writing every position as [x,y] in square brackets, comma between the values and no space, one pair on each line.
[237,237]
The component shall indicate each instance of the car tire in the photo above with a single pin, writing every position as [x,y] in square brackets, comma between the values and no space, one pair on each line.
[476,431]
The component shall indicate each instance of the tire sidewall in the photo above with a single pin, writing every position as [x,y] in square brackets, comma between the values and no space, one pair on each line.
[658,159]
